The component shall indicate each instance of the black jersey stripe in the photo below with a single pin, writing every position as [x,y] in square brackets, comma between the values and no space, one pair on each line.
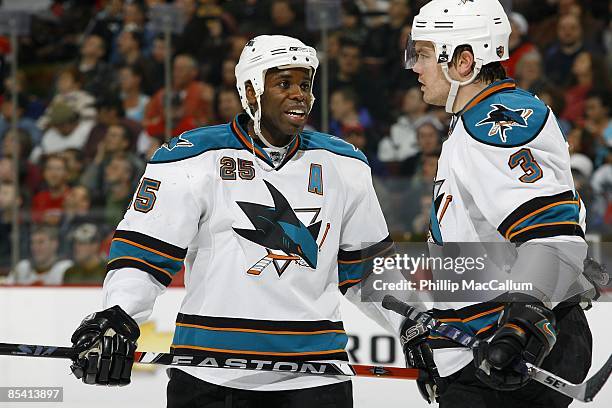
[546,231]
[263,358]
[530,206]
[361,255]
[260,325]
[162,277]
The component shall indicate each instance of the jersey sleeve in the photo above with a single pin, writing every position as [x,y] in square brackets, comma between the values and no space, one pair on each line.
[364,234]
[159,224]
[524,188]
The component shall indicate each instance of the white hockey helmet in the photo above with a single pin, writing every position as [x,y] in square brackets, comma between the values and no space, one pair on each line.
[482,24]
[263,53]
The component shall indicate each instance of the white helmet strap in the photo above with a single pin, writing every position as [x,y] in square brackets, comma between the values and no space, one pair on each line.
[454,88]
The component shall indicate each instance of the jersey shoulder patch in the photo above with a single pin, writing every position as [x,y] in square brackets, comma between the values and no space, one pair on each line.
[312,140]
[506,119]
[195,142]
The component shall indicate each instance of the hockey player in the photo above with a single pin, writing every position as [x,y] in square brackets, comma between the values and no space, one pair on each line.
[271,221]
[504,177]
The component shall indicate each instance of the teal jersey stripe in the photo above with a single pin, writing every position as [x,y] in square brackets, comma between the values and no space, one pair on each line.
[559,213]
[351,271]
[260,342]
[120,249]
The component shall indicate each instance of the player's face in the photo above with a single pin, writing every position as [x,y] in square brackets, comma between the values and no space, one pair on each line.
[434,85]
[285,102]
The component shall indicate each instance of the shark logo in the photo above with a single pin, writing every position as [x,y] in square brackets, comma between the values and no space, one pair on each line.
[279,230]
[177,142]
[503,119]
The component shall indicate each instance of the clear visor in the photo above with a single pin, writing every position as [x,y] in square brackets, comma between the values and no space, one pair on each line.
[410,55]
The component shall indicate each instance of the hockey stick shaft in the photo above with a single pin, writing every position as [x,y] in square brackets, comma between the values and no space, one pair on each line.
[328,368]
[584,392]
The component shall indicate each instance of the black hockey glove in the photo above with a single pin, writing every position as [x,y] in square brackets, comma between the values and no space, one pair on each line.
[526,333]
[105,342]
[413,338]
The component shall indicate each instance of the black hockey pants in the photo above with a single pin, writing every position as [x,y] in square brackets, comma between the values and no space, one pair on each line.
[186,391]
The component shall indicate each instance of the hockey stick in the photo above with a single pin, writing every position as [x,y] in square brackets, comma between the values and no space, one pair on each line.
[584,391]
[326,368]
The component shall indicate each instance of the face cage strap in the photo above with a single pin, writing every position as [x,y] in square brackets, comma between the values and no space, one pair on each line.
[454,89]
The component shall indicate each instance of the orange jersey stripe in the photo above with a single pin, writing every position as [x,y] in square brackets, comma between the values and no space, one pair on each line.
[127,241]
[542,225]
[487,93]
[537,212]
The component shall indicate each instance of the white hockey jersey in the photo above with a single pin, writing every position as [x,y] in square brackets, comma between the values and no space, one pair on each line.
[266,251]
[503,176]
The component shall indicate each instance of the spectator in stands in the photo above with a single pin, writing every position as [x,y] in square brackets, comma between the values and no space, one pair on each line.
[227,105]
[284,21]
[110,112]
[30,175]
[48,203]
[116,142]
[45,266]
[518,43]
[70,92]
[155,66]
[129,43]
[420,223]
[559,58]
[194,30]
[7,200]
[191,101]
[228,76]
[429,139]
[23,122]
[598,122]
[97,75]
[529,73]
[382,40]
[588,71]
[130,85]
[77,210]
[601,207]
[89,264]
[74,164]
[107,23]
[119,188]
[350,74]
[346,111]
[134,18]
[402,140]
[66,130]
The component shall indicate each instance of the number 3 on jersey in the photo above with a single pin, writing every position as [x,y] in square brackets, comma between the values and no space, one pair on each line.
[145,197]
[524,158]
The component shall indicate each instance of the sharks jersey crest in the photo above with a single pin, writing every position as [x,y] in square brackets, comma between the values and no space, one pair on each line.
[278,229]
[503,119]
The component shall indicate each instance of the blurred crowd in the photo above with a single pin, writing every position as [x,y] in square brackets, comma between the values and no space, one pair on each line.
[90,108]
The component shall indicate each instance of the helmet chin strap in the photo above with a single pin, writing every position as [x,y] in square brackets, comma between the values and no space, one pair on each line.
[257,126]
[454,84]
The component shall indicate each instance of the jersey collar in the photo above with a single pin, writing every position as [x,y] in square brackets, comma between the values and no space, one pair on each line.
[238,129]
[493,88]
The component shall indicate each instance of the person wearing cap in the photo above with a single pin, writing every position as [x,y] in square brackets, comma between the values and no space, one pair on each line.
[89,264]
[503,184]
[66,130]
[273,224]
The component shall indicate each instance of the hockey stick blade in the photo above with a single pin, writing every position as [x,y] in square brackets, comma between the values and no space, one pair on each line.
[584,391]
[324,368]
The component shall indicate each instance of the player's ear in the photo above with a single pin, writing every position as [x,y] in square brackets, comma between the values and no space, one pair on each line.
[464,63]
[250,95]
